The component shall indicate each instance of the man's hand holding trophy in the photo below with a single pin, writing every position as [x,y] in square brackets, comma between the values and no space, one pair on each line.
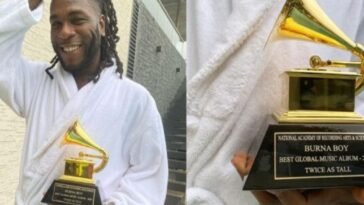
[77,185]
[318,143]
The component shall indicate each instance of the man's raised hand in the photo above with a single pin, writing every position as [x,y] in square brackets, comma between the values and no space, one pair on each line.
[34,4]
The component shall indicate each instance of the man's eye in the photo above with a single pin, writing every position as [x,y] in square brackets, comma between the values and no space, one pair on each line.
[78,21]
[55,25]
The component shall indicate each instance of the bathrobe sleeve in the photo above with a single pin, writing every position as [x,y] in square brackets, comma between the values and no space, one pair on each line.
[17,75]
[145,182]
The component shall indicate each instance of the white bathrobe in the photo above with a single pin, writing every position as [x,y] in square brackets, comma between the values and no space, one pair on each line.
[235,84]
[118,114]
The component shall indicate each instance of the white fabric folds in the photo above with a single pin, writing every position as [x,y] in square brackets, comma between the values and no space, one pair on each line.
[235,84]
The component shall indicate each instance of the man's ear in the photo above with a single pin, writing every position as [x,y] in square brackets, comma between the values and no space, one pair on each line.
[102,24]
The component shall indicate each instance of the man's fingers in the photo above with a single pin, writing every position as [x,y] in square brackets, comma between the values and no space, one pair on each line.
[34,4]
[265,198]
[358,194]
[292,197]
[331,196]
[249,162]
[240,161]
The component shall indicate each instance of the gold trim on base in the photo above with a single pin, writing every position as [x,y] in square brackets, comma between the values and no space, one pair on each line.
[317,117]
[322,73]
[77,179]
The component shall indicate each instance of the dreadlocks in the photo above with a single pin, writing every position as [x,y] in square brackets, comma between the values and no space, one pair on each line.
[108,42]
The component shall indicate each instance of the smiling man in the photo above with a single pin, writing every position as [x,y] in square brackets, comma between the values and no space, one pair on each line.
[83,82]
[77,30]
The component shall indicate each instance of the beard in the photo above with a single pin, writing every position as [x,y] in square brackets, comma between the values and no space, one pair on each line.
[91,49]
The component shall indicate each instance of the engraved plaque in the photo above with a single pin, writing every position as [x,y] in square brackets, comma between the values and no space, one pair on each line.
[66,192]
[309,156]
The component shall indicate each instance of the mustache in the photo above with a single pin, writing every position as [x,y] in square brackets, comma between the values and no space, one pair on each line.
[90,49]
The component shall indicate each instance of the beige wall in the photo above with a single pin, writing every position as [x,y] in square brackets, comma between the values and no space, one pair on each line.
[37,47]
[11,140]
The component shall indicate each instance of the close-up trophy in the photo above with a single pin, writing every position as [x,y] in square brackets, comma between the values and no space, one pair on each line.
[319,141]
[76,186]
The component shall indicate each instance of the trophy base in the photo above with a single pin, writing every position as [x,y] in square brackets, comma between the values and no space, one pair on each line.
[72,193]
[301,116]
[77,179]
[309,156]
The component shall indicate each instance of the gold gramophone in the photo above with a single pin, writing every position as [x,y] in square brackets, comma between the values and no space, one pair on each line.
[77,186]
[320,94]
[319,141]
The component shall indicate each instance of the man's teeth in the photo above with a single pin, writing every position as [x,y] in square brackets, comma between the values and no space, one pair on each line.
[70,49]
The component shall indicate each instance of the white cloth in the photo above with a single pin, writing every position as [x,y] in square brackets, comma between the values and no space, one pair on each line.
[235,85]
[118,114]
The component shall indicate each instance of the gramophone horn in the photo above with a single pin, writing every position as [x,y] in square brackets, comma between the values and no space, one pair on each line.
[305,20]
[76,135]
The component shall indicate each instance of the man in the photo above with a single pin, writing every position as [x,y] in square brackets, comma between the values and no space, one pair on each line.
[83,83]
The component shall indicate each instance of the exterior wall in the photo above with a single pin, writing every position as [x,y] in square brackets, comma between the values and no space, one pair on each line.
[157,70]
[158,12]
[11,140]
[37,46]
